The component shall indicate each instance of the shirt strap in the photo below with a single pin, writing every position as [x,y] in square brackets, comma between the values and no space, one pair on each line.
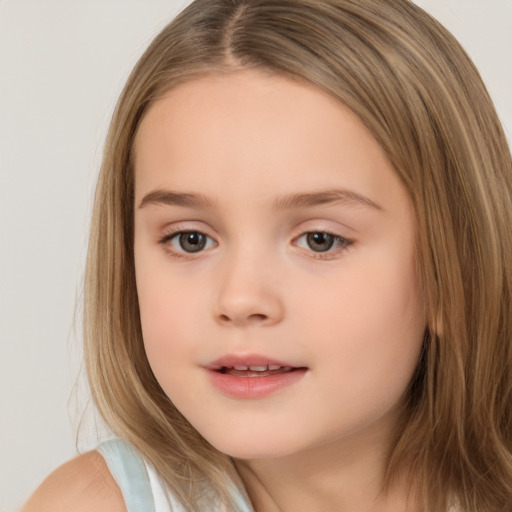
[129,472]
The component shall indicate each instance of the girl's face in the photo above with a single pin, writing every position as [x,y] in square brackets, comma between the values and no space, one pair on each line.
[272,232]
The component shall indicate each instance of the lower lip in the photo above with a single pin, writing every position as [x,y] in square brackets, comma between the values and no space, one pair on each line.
[254,387]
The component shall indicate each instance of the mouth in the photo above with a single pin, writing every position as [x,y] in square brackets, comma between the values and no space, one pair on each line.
[253,376]
[255,370]
[251,365]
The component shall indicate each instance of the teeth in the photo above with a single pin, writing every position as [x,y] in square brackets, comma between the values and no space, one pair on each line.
[258,368]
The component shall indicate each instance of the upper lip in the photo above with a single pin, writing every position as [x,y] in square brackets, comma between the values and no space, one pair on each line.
[232,360]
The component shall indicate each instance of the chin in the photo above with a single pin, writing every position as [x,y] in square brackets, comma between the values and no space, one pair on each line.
[250,447]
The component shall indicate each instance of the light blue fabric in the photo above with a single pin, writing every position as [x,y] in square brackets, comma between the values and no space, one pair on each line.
[129,471]
[131,474]
[242,502]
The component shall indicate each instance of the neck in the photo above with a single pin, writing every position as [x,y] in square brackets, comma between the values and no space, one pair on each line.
[343,476]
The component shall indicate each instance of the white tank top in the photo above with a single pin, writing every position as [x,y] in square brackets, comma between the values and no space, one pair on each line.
[139,483]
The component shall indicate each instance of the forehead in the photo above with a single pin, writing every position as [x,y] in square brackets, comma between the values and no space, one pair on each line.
[211,103]
[249,128]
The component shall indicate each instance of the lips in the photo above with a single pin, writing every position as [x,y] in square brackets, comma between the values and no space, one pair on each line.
[250,361]
[255,371]
[252,376]
[250,366]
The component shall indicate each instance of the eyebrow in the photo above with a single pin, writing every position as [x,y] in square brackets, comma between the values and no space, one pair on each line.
[289,201]
[324,197]
[166,197]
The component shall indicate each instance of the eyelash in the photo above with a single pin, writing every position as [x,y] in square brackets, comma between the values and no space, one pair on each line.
[342,244]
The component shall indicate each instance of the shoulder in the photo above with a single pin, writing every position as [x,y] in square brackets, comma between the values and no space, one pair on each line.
[82,484]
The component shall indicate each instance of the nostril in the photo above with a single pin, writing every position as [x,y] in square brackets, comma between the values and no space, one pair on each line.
[246,308]
[251,318]
[257,317]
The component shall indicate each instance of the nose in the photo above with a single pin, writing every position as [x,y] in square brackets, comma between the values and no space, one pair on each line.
[248,295]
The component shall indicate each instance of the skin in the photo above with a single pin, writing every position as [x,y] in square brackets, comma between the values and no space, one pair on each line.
[80,485]
[351,315]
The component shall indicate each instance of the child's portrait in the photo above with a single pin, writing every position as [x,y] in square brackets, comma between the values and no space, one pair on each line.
[296,292]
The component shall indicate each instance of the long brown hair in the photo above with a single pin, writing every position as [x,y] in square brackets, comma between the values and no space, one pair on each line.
[421,97]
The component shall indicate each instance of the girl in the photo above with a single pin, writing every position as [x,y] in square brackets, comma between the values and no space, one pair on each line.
[299,276]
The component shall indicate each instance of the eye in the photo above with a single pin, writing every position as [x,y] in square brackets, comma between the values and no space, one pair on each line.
[188,241]
[320,241]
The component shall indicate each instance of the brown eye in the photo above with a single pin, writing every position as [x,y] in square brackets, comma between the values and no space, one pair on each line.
[320,242]
[190,241]
[182,243]
[324,245]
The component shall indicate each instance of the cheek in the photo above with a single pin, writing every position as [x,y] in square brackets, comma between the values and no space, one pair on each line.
[168,316]
[168,311]
[369,324]
[373,292]
[166,325]
[368,340]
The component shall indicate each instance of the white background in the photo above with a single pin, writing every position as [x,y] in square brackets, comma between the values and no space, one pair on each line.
[62,65]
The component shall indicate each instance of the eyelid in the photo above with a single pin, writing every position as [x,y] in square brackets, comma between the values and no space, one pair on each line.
[177,236]
[172,232]
[343,243]
[185,227]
